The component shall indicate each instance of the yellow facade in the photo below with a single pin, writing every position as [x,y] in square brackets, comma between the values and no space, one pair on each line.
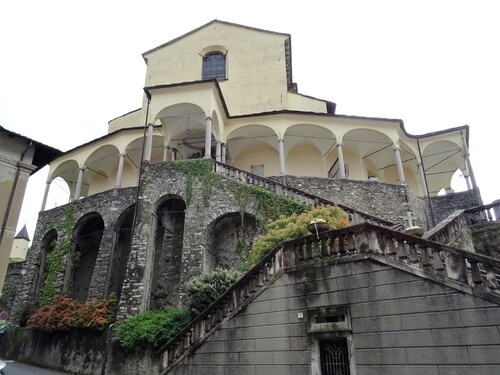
[253,110]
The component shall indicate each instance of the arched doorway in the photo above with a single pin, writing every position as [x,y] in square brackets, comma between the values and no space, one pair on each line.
[48,244]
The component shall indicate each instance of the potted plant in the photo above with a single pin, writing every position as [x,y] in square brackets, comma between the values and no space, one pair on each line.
[415,231]
[317,226]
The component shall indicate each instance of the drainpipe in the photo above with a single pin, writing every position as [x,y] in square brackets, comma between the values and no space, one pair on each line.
[12,192]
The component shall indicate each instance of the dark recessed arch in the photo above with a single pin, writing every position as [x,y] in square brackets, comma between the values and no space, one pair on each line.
[168,224]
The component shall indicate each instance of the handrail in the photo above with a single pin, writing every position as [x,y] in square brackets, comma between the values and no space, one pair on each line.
[449,228]
[300,195]
[478,273]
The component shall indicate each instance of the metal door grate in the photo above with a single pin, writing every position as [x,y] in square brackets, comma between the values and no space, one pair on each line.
[334,357]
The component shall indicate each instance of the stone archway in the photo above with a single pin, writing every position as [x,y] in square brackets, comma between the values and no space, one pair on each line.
[121,251]
[168,245]
[228,239]
[48,244]
[87,240]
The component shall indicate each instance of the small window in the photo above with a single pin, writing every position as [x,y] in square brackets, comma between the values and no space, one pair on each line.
[214,65]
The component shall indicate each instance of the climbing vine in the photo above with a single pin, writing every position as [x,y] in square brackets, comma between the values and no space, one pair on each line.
[269,205]
[54,262]
[201,169]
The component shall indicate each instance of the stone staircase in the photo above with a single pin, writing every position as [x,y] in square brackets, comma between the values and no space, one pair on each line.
[460,269]
[297,194]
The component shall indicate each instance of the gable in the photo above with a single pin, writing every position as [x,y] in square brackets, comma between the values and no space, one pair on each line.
[258,64]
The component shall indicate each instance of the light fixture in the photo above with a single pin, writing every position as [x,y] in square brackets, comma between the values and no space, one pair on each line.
[187,129]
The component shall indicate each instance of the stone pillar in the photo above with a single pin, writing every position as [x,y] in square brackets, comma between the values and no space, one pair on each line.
[208,138]
[45,195]
[469,169]
[223,151]
[172,156]
[218,151]
[79,184]
[422,179]
[399,165]
[340,155]
[149,143]
[281,151]
[119,174]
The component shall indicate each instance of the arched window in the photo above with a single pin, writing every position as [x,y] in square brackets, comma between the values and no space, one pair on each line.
[214,65]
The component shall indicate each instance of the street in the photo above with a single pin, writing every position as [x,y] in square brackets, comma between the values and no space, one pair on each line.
[17,368]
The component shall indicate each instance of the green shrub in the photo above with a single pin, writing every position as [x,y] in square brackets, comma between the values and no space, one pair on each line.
[294,226]
[204,289]
[151,328]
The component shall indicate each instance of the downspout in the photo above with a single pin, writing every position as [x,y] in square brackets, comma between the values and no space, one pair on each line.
[134,221]
[433,222]
[12,192]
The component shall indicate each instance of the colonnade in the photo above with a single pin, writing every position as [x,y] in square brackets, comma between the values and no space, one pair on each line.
[221,152]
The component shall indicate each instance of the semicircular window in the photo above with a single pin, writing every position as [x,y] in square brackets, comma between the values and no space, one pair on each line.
[214,65]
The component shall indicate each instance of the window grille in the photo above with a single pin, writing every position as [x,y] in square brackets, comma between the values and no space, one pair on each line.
[214,65]
[334,357]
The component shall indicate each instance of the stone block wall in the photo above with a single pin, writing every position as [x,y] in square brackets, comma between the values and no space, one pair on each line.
[398,323]
[387,201]
[445,205]
[109,205]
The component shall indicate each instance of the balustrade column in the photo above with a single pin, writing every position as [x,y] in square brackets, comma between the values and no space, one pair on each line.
[399,165]
[79,184]
[340,155]
[281,151]
[149,143]
[208,138]
[119,174]
[45,195]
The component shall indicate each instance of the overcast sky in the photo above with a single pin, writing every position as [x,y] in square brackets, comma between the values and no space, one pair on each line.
[68,67]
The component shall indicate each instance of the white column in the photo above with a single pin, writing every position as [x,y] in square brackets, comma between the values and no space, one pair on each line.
[223,157]
[165,153]
[45,195]
[469,169]
[422,179]
[79,184]
[467,179]
[340,155]
[149,143]
[218,151]
[399,165]
[281,151]
[208,138]
[173,150]
[119,174]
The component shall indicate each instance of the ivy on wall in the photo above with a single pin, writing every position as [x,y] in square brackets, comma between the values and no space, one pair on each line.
[54,263]
[269,205]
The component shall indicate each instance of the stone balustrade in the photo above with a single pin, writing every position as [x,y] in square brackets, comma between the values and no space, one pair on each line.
[483,214]
[454,224]
[471,271]
[297,194]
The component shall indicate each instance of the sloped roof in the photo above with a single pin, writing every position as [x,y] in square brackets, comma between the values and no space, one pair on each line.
[208,24]
[43,154]
[23,234]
